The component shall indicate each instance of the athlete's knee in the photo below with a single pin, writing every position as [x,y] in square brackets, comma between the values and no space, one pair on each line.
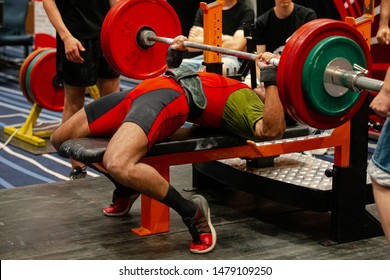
[114,164]
[75,127]
[55,139]
[122,170]
[60,135]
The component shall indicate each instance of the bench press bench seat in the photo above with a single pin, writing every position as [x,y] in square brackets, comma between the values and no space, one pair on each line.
[186,139]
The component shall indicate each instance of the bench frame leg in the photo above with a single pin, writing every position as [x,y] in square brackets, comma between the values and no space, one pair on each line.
[154,215]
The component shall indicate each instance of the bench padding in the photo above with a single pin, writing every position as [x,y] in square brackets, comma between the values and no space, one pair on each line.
[186,139]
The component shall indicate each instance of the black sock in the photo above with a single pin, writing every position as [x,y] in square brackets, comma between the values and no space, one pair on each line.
[182,206]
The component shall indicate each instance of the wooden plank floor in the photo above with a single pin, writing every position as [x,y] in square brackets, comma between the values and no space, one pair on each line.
[64,221]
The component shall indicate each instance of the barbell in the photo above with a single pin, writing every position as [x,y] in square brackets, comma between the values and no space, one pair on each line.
[337,73]
[322,72]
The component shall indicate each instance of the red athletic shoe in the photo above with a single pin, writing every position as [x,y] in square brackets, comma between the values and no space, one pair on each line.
[120,206]
[203,233]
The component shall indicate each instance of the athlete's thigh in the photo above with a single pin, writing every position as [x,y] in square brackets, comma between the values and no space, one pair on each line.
[75,127]
[159,113]
[128,145]
[106,114]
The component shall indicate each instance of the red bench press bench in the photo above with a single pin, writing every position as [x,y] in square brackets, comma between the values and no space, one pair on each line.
[188,145]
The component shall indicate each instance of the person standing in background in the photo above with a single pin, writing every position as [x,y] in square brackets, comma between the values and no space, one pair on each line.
[379,165]
[80,60]
[275,26]
[235,15]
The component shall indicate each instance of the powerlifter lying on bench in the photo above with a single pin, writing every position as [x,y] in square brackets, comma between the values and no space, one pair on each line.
[154,110]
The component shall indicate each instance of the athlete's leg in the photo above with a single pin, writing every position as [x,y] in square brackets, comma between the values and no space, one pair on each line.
[122,160]
[75,127]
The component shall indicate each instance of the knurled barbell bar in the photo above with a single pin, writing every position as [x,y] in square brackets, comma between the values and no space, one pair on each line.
[321,74]
[147,38]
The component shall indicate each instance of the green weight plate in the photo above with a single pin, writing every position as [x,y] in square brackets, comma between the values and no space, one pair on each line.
[313,75]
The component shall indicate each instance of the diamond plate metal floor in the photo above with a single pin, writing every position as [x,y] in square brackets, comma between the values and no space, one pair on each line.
[295,168]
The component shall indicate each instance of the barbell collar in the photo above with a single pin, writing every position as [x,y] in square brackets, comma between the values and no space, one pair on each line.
[339,76]
[355,80]
[347,79]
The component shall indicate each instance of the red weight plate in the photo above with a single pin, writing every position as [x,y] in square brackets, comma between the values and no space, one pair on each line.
[297,104]
[40,81]
[293,72]
[104,36]
[308,114]
[119,37]
[103,40]
[295,58]
[283,73]
[23,70]
[28,72]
